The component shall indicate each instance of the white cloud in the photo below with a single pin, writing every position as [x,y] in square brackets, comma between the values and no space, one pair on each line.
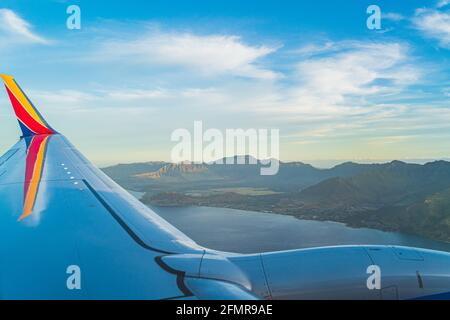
[17,29]
[357,71]
[64,100]
[125,98]
[442,3]
[136,94]
[206,54]
[393,16]
[314,48]
[327,83]
[434,24]
[112,97]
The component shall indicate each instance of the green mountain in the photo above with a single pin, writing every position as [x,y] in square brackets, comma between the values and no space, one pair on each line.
[395,183]
[411,198]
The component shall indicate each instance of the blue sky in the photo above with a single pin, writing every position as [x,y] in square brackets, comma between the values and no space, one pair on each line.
[138,70]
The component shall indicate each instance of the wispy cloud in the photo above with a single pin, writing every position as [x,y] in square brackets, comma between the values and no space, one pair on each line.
[125,98]
[18,29]
[434,24]
[77,100]
[314,48]
[352,70]
[443,3]
[205,54]
[393,16]
[136,94]
[326,80]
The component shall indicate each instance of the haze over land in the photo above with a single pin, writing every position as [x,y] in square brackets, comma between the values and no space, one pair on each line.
[395,196]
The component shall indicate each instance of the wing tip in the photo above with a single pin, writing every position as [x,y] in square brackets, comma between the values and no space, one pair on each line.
[30,120]
[6,77]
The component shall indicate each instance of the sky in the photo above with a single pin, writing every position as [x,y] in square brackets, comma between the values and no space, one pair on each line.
[136,71]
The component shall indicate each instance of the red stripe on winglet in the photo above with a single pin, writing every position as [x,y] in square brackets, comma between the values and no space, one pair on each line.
[25,117]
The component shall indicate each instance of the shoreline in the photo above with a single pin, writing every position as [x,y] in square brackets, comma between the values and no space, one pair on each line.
[301,217]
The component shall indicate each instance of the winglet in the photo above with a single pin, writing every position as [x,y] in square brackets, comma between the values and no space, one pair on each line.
[30,120]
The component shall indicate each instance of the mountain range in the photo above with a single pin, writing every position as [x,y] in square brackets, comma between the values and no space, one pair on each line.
[395,196]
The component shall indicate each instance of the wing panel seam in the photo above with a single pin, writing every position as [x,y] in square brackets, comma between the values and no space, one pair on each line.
[121,222]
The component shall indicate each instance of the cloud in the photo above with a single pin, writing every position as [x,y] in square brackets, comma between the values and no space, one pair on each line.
[206,54]
[393,16]
[112,97]
[136,94]
[326,84]
[353,70]
[17,29]
[314,48]
[126,98]
[434,24]
[63,100]
[443,3]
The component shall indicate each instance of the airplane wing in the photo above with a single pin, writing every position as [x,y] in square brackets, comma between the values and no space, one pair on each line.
[70,232]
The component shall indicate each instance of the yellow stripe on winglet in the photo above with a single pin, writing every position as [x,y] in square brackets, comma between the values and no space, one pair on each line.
[14,88]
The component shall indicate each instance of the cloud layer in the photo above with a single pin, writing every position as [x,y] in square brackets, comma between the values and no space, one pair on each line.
[207,54]
[328,97]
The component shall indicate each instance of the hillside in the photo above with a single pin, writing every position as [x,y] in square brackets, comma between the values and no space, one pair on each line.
[185,176]
[395,183]
[391,196]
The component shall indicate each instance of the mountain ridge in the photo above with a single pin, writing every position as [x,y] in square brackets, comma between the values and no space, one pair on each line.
[395,195]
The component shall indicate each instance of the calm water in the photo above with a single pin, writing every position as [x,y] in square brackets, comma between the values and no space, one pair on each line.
[249,232]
